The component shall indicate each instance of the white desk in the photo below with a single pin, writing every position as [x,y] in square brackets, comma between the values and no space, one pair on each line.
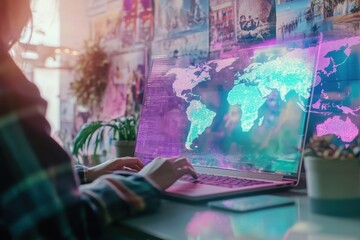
[176,220]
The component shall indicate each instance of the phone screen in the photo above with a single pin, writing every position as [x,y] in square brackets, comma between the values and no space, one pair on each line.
[252,203]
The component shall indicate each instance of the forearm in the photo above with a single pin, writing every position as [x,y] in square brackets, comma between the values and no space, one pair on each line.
[50,197]
[116,197]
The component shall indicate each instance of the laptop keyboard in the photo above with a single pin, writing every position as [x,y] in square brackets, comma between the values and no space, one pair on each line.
[222,181]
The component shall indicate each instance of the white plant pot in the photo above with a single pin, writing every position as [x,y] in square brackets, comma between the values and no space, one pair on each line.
[333,186]
[124,148]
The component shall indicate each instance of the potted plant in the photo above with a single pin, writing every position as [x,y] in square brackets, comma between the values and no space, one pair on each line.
[122,131]
[91,70]
[333,176]
[124,135]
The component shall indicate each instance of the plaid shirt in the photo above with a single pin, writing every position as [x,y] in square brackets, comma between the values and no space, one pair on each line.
[40,196]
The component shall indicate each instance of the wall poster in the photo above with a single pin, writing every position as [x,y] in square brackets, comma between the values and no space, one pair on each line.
[255,20]
[176,17]
[222,23]
[145,22]
[124,92]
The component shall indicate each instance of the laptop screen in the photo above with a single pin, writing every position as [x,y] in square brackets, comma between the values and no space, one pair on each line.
[245,111]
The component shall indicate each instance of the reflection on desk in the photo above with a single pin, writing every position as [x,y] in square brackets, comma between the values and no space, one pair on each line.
[216,224]
[175,220]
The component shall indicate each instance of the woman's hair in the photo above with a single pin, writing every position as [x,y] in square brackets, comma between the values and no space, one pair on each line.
[14,16]
[4,23]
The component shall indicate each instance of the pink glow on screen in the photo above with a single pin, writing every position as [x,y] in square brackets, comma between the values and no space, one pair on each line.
[347,110]
[317,104]
[221,64]
[345,130]
[186,78]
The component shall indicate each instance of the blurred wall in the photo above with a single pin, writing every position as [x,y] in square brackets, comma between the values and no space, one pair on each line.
[74,31]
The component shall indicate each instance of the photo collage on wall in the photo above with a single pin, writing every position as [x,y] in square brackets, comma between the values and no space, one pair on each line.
[303,18]
[191,45]
[125,28]
[139,30]
[222,23]
[138,23]
[238,24]
[124,93]
[105,24]
[255,20]
[145,25]
[129,23]
[123,23]
[181,28]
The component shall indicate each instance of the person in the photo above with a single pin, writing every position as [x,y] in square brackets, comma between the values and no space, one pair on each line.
[197,12]
[242,22]
[40,195]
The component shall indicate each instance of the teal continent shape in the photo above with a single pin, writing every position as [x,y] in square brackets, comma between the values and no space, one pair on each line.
[200,117]
[250,100]
[291,72]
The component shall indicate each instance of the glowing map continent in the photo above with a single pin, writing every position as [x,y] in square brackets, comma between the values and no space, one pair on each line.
[282,73]
[346,130]
[200,118]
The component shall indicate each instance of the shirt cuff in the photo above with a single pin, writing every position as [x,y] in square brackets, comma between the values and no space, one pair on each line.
[128,174]
[82,172]
[118,197]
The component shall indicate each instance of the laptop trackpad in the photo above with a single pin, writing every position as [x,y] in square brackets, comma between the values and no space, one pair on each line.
[196,189]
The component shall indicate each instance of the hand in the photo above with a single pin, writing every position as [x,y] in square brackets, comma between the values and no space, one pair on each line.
[126,164]
[165,171]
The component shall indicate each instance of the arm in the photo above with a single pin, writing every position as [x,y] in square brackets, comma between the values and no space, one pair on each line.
[40,196]
[126,164]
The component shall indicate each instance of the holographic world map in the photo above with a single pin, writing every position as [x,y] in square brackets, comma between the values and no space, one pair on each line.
[248,111]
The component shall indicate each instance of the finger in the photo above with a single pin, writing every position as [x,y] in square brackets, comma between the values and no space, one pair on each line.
[181,162]
[129,159]
[140,166]
[135,166]
[140,163]
[124,159]
[129,169]
[186,170]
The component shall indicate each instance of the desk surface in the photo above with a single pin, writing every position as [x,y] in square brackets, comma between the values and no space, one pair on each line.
[175,220]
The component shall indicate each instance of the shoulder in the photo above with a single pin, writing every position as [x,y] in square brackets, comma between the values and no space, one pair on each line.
[16,91]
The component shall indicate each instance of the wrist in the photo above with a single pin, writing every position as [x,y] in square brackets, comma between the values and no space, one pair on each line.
[152,183]
[91,174]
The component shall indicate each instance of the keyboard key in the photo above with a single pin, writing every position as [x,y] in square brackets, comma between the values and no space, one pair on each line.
[222,181]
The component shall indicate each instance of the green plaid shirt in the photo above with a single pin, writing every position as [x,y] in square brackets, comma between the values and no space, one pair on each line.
[40,196]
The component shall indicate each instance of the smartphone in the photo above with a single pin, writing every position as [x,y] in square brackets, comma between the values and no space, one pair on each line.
[246,204]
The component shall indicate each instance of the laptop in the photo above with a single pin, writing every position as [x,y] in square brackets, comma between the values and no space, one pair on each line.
[240,118]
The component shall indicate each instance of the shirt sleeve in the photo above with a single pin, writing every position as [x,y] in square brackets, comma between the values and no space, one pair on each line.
[81,171]
[117,197]
[40,196]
